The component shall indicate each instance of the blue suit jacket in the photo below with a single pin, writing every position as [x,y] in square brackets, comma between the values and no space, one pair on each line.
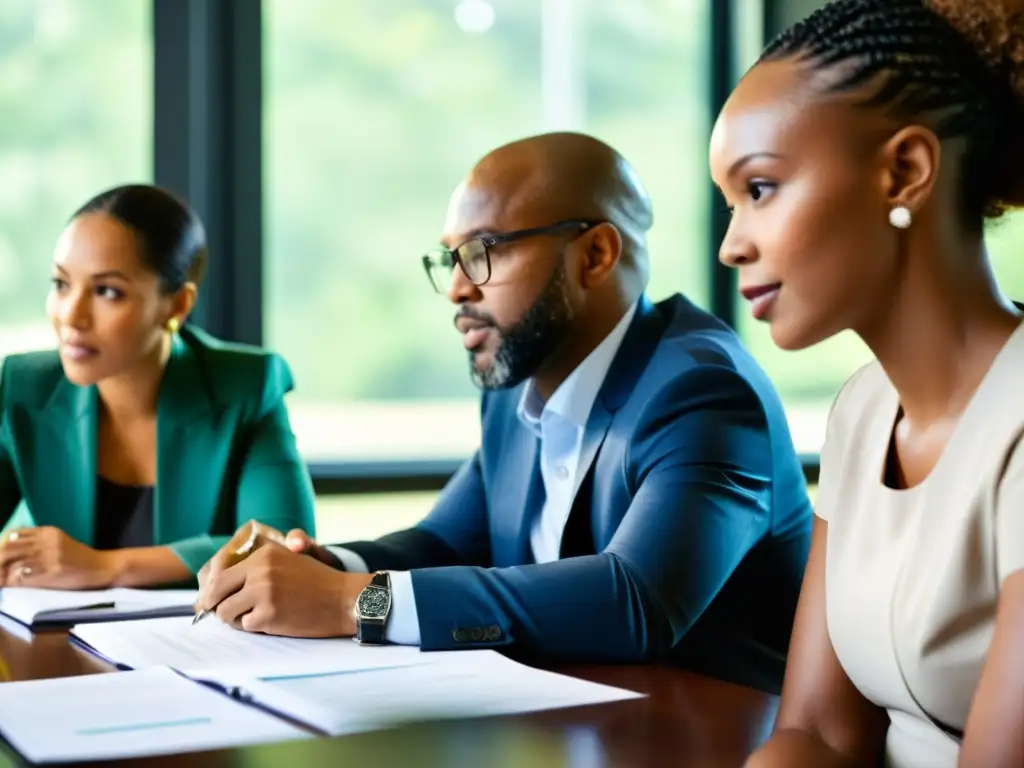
[696,503]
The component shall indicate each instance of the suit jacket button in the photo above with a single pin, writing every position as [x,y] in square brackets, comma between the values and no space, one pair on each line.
[493,633]
[460,635]
[476,634]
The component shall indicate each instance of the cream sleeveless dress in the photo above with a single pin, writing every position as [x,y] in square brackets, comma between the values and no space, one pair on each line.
[913,576]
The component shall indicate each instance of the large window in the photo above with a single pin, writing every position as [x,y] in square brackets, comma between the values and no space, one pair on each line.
[809,380]
[76,101]
[375,111]
[1005,240]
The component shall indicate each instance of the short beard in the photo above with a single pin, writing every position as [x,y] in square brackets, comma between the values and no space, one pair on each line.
[527,345]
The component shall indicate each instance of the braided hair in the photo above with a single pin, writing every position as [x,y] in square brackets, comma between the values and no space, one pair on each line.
[956,64]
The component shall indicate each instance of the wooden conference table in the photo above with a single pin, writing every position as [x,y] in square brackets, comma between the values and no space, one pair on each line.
[686,720]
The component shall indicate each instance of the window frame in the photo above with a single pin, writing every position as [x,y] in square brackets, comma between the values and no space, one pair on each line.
[207,146]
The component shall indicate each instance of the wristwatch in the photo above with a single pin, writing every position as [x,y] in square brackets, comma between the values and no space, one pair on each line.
[372,608]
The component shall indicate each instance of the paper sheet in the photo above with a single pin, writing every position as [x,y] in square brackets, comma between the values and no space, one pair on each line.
[211,644]
[451,685]
[57,606]
[129,714]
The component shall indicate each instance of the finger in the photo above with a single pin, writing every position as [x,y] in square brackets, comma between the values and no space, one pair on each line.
[299,541]
[256,620]
[268,533]
[20,549]
[16,534]
[204,574]
[222,585]
[225,556]
[19,536]
[26,573]
[233,609]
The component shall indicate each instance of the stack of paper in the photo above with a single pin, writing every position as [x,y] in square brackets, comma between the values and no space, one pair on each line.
[129,714]
[211,644]
[57,607]
[339,686]
[456,685]
[227,684]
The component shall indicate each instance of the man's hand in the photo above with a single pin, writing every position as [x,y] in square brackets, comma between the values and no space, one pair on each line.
[48,557]
[278,592]
[252,536]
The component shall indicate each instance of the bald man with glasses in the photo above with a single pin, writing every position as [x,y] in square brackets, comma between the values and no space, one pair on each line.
[636,495]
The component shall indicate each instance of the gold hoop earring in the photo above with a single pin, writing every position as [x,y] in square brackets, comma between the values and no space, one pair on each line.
[173,325]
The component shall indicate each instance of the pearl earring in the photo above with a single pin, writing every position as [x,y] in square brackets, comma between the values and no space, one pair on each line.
[900,217]
[173,325]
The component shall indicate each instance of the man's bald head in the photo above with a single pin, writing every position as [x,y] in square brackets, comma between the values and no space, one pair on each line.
[553,177]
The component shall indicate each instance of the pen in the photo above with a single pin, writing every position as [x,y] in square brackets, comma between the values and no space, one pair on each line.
[236,557]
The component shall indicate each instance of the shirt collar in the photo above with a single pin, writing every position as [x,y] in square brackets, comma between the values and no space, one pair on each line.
[574,398]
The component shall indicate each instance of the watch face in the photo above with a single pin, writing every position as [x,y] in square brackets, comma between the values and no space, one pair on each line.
[373,603]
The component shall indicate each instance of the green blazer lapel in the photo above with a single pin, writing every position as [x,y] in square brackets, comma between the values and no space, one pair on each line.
[187,476]
[65,452]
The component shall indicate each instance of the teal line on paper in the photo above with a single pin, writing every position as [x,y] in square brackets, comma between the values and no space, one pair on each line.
[284,678]
[144,726]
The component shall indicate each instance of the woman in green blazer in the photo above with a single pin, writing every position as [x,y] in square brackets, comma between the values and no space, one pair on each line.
[139,446]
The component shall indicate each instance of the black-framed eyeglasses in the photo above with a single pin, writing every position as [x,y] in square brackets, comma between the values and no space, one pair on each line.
[474,256]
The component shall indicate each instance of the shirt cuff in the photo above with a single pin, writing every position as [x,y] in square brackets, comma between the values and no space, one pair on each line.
[350,561]
[403,622]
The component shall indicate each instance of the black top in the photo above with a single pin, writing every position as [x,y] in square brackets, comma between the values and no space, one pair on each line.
[124,515]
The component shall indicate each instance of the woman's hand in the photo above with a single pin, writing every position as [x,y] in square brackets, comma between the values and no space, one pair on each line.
[47,557]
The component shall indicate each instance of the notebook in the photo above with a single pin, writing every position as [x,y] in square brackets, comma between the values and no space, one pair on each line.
[42,608]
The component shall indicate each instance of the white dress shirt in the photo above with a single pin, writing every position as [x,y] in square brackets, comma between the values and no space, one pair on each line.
[559,423]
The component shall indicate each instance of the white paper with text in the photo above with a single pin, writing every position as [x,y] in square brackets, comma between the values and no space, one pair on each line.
[211,644]
[128,714]
[459,684]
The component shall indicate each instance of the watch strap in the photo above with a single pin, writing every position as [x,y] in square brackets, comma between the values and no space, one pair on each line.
[372,631]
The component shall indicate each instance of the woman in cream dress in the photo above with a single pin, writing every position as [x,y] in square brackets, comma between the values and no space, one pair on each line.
[860,157]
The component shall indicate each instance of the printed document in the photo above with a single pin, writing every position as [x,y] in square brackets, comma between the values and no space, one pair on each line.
[55,607]
[211,644]
[458,684]
[128,714]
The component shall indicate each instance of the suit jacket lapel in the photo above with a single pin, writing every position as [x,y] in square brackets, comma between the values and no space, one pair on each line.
[593,436]
[532,505]
[630,361]
[518,501]
[66,454]
[184,420]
